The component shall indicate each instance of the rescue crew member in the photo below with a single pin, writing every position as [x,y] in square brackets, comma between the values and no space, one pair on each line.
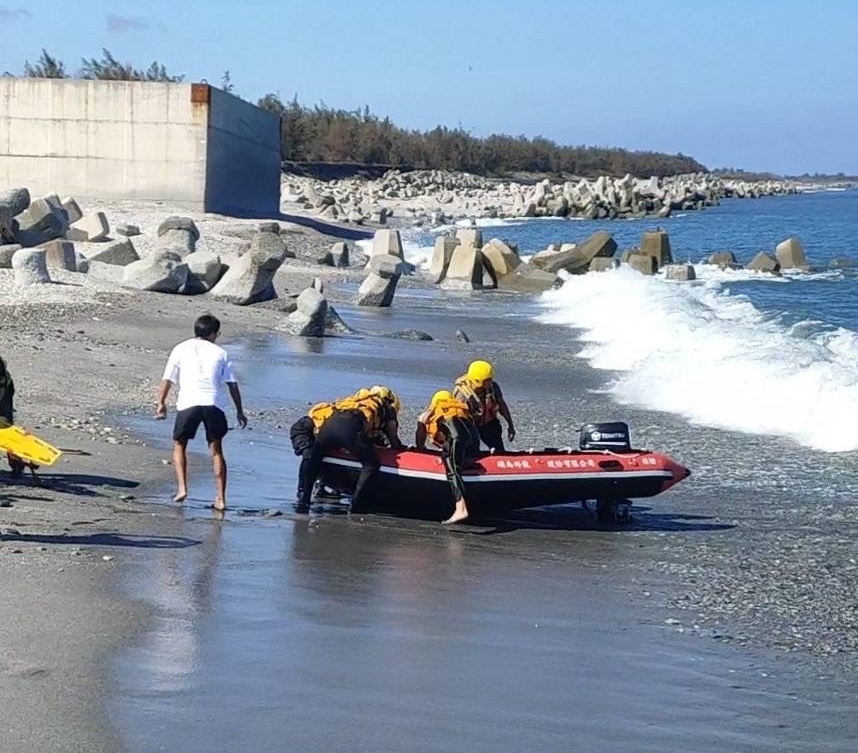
[447,422]
[483,396]
[352,423]
[7,414]
[302,433]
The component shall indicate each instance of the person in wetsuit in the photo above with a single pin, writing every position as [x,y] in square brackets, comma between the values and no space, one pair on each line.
[448,423]
[352,423]
[478,390]
[7,414]
[302,434]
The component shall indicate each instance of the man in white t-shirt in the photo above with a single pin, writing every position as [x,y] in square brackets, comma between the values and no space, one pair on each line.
[201,369]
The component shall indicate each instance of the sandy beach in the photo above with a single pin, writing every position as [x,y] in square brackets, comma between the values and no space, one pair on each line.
[83,356]
[521,632]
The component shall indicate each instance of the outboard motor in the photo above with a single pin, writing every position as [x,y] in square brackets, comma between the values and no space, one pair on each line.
[612,436]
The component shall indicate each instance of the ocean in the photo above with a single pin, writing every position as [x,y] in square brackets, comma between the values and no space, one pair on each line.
[736,350]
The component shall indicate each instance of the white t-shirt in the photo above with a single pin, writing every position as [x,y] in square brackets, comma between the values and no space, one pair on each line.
[201,369]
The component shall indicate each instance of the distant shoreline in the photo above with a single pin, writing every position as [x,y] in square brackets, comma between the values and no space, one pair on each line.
[328,171]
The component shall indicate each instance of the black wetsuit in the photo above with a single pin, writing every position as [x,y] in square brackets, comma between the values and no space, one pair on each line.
[346,429]
[302,434]
[461,442]
[491,432]
[7,393]
[7,417]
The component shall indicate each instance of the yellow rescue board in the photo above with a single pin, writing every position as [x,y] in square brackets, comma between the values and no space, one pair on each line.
[27,446]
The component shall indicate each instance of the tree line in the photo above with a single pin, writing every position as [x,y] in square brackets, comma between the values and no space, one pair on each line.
[324,134]
[106,68]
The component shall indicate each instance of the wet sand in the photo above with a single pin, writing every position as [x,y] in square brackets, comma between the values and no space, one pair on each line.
[535,631]
[380,635]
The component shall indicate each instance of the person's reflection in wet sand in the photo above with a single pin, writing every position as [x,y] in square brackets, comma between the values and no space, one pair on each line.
[383,563]
[180,588]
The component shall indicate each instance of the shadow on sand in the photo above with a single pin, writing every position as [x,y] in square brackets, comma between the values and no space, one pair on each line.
[555,518]
[328,228]
[576,519]
[136,541]
[79,484]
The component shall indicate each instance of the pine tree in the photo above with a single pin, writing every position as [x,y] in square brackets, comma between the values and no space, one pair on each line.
[110,69]
[45,67]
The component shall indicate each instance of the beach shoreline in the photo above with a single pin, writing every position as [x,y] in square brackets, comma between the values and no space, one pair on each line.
[83,368]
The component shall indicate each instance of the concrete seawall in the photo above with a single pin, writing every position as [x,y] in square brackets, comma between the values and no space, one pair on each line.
[189,144]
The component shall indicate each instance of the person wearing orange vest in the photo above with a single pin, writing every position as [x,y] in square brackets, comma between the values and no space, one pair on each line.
[482,394]
[302,434]
[352,423]
[447,422]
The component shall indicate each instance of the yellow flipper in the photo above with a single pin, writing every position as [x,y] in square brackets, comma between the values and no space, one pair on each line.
[27,446]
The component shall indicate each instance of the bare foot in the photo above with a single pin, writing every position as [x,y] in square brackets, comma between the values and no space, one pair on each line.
[459,514]
[181,496]
[219,504]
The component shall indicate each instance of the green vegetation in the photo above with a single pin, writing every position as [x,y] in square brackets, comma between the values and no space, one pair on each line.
[45,67]
[328,135]
[733,173]
[324,134]
[107,68]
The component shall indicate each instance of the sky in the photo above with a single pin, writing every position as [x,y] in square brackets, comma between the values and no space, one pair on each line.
[762,85]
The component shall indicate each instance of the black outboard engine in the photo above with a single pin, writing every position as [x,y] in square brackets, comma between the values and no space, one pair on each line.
[612,436]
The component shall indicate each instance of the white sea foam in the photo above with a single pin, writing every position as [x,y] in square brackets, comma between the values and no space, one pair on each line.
[365,246]
[699,351]
[713,273]
[418,255]
[482,222]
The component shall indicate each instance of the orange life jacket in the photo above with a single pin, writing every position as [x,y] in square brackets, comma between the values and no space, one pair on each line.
[486,404]
[443,410]
[370,406]
[320,413]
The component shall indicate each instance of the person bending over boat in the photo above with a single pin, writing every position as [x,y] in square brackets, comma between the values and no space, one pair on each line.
[447,422]
[352,423]
[482,394]
[302,434]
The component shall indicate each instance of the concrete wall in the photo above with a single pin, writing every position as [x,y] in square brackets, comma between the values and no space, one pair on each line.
[103,139]
[188,144]
[243,157]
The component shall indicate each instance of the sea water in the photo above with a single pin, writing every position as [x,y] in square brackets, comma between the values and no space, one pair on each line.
[735,349]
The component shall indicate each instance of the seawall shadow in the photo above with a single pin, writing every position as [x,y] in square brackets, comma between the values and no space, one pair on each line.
[328,228]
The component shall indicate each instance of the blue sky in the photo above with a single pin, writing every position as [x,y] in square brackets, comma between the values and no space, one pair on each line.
[759,84]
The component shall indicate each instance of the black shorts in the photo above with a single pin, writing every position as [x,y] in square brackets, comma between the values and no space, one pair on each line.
[189,420]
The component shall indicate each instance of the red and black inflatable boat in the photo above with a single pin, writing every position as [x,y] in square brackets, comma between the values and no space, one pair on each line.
[413,483]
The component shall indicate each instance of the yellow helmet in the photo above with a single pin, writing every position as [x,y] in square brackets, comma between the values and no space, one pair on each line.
[385,393]
[362,393]
[480,371]
[439,396]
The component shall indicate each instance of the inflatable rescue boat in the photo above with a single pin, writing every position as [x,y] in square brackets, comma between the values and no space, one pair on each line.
[605,471]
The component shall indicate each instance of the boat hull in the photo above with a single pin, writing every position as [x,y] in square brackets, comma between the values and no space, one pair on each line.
[413,483]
